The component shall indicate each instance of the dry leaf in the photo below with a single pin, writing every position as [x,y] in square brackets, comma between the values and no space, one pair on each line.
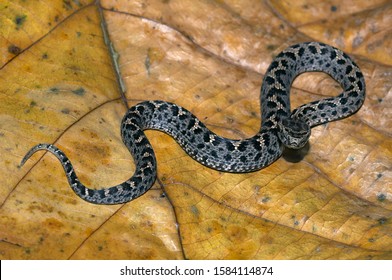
[58,85]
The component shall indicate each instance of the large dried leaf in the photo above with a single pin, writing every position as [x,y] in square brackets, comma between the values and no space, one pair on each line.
[58,85]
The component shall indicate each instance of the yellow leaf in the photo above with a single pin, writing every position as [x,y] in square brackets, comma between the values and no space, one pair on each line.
[59,84]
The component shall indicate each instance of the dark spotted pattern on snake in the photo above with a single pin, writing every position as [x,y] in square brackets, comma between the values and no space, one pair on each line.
[280,127]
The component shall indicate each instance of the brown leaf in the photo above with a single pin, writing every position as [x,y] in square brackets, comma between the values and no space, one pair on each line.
[59,86]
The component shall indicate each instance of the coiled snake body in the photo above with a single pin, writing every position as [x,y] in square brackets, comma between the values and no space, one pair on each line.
[279,127]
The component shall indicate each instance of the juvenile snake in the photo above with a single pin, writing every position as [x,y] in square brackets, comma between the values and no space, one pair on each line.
[279,126]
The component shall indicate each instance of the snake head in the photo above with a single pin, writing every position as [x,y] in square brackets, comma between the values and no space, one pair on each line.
[293,133]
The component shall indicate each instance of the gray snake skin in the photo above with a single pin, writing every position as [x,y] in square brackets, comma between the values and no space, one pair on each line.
[280,127]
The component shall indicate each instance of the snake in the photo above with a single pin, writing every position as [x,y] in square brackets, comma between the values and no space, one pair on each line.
[280,127]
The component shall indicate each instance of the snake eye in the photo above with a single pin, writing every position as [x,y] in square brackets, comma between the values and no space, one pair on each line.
[293,133]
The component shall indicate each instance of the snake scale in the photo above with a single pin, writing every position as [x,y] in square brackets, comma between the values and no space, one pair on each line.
[280,127]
